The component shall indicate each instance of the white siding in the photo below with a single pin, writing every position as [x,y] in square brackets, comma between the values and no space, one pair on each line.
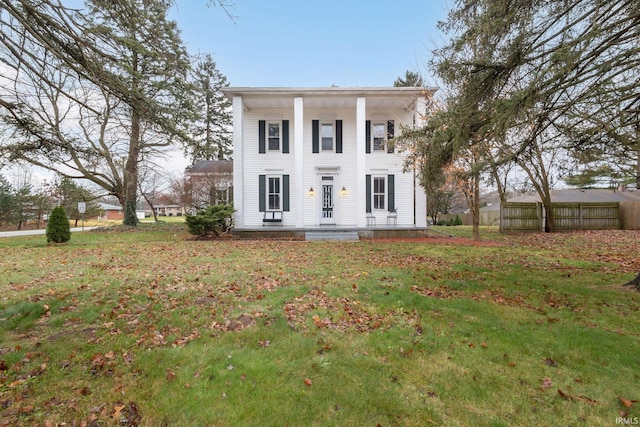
[342,166]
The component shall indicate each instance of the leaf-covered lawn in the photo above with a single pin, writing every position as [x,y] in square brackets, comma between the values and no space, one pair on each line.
[152,328]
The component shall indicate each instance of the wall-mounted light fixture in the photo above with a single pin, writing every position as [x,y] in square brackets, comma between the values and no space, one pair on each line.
[311,192]
[343,191]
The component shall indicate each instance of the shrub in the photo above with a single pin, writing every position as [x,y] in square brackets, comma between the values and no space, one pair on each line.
[458,220]
[58,230]
[210,221]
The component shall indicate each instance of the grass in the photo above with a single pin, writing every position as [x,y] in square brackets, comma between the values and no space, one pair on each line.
[153,328]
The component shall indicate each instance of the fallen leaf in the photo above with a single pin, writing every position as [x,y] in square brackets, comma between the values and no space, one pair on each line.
[546,383]
[564,395]
[626,402]
[117,410]
[308,382]
[549,361]
[170,375]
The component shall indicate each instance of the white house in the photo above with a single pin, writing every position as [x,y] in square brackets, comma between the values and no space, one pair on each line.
[313,158]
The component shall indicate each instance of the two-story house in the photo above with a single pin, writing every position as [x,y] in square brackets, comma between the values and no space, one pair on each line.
[313,158]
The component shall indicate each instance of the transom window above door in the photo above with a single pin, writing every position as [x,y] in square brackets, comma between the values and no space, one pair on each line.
[274,136]
[326,135]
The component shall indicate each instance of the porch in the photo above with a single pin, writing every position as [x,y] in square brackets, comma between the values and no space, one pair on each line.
[330,232]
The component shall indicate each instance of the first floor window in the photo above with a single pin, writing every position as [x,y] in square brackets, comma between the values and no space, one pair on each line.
[378,193]
[379,136]
[274,136]
[273,195]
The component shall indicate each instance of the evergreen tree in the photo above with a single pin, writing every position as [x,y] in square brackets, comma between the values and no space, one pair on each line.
[212,132]
[411,79]
[95,93]
[7,201]
[58,229]
[524,73]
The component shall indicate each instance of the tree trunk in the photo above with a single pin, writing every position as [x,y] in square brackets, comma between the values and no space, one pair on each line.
[549,223]
[634,283]
[131,173]
[476,206]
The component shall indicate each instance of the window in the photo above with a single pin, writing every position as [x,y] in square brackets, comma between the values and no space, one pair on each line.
[327,137]
[274,136]
[379,136]
[378,193]
[273,195]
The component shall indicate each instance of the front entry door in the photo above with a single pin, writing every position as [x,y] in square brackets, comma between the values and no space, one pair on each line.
[327,214]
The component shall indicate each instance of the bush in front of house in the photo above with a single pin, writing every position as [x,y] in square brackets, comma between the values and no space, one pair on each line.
[211,221]
[58,229]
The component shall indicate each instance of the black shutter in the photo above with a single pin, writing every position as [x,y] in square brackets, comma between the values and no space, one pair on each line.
[262,193]
[285,193]
[367,136]
[368,192]
[338,136]
[262,138]
[391,186]
[390,134]
[285,136]
[315,136]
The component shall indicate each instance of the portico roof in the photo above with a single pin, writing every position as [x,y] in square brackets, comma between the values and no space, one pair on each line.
[328,97]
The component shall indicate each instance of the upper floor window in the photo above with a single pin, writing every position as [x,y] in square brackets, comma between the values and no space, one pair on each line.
[274,136]
[326,134]
[379,136]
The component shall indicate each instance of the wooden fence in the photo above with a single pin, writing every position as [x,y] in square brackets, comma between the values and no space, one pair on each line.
[523,217]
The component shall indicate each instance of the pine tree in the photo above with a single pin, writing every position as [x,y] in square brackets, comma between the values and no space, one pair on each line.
[212,131]
[58,230]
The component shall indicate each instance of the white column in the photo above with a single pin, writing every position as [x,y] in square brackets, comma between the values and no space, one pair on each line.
[421,196]
[361,161]
[298,157]
[238,162]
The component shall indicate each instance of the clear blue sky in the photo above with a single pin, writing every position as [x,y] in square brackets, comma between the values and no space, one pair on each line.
[302,43]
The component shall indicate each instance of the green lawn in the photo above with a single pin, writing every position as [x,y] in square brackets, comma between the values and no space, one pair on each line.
[153,328]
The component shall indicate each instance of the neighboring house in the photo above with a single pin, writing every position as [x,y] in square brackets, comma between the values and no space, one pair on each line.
[310,157]
[580,195]
[110,212]
[209,183]
[169,210]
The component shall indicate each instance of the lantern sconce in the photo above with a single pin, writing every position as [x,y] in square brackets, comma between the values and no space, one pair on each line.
[311,192]
[343,191]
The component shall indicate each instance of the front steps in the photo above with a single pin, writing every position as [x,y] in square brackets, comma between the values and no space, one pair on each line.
[332,235]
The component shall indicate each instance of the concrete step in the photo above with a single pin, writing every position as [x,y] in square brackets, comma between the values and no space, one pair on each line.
[332,235]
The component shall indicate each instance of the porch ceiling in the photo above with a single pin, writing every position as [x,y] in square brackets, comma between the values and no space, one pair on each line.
[329,98]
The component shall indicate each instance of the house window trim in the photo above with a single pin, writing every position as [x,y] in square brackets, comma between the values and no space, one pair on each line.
[322,137]
[268,142]
[382,148]
[268,193]
[374,195]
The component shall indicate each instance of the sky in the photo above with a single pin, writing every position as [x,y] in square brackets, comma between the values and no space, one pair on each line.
[302,43]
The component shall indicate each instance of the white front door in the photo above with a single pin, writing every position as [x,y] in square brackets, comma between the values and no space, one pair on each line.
[326,203]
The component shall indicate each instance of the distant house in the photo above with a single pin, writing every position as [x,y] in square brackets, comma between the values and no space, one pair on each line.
[311,157]
[110,212]
[169,210]
[582,195]
[209,183]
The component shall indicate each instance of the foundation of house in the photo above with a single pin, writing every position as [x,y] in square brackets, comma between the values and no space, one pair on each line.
[330,233]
